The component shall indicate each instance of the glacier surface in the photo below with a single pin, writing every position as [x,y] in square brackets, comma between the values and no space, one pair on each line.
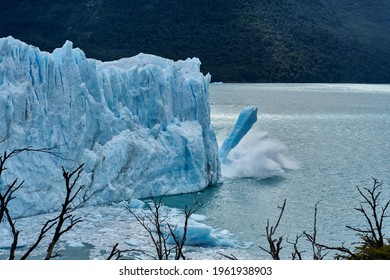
[140,125]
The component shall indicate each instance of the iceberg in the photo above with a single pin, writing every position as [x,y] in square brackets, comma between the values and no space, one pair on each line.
[244,123]
[140,125]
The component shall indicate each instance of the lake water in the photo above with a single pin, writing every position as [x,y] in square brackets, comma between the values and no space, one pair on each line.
[312,143]
[338,134]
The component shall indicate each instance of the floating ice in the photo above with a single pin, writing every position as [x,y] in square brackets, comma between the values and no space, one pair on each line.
[104,226]
[136,203]
[75,244]
[140,125]
[199,234]
[7,237]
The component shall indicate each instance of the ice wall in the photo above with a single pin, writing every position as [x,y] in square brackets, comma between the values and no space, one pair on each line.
[140,125]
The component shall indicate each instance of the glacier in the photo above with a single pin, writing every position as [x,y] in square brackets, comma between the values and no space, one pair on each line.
[140,125]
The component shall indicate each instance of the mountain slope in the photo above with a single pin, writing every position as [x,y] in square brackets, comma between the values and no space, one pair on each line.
[236,40]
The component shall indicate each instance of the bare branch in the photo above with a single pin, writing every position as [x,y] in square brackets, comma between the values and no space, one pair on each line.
[67,209]
[342,249]
[5,213]
[296,255]
[15,234]
[114,252]
[316,248]
[229,257]
[142,220]
[156,224]
[15,152]
[188,211]
[373,216]
[274,244]
[45,228]
[372,236]
[117,253]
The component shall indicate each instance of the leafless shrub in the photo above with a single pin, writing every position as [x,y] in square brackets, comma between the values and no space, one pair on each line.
[116,253]
[155,222]
[274,243]
[297,254]
[373,244]
[61,223]
[317,249]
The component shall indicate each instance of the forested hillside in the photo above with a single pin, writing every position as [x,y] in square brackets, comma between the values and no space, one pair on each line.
[236,40]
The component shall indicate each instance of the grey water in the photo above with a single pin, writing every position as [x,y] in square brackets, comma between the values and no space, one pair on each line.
[339,136]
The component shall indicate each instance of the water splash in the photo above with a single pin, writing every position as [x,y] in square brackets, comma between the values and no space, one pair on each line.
[258,156]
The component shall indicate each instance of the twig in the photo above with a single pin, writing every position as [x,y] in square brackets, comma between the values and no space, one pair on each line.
[274,244]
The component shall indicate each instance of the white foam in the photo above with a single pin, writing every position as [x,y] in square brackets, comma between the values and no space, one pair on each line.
[259,156]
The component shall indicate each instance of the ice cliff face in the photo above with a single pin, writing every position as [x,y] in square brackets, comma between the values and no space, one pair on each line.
[140,125]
